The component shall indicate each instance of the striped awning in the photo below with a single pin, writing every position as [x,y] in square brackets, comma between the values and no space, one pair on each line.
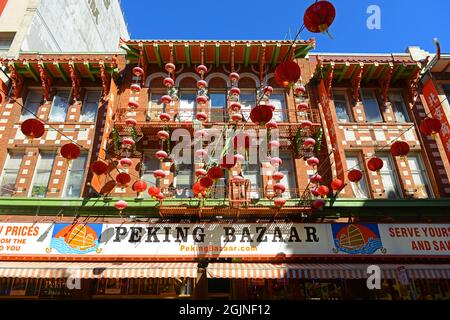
[323,271]
[91,270]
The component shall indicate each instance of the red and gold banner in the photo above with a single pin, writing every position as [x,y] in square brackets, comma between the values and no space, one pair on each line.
[437,111]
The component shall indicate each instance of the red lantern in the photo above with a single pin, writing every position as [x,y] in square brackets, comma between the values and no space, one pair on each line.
[305,124]
[274,144]
[271,125]
[430,126]
[234,76]
[168,82]
[206,182]
[375,164]
[32,128]
[200,172]
[201,84]
[228,162]
[125,162]
[201,116]
[236,117]
[235,106]
[170,67]
[235,91]
[267,90]
[139,186]
[159,174]
[279,188]
[399,149]
[319,16]
[317,178]
[70,151]
[302,107]
[300,90]
[99,167]
[160,196]
[164,117]
[128,142]
[161,155]
[241,138]
[135,88]
[279,202]
[201,69]
[198,190]
[215,173]
[166,99]
[153,191]
[277,176]
[314,192]
[309,142]
[313,162]
[138,72]
[276,162]
[287,73]
[123,179]
[355,175]
[121,205]
[337,184]
[202,99]
[318,204]
[323,190]
[131,122]
[163,135]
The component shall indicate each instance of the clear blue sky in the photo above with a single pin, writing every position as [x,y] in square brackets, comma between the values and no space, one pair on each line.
[403,22]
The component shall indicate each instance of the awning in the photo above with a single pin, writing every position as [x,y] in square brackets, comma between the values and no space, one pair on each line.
[322,271]
[92,270]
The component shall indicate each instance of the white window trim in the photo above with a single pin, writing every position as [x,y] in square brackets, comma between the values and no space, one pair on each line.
[422,169]
[66,180]
[405,109]
[373,96]
[88,90]
[395,174]
[69,99]
[347,104]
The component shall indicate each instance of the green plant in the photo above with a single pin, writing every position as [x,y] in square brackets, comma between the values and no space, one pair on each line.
[318,138]
[116,140]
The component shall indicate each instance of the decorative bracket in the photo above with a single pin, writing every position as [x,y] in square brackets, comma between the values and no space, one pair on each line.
[45,80]
[75,81]
[328,80]
[385,82]
[16,81]
[105,80]
[412,84]
[356,82]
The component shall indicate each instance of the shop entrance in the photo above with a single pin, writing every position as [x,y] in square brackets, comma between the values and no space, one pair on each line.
[219,288]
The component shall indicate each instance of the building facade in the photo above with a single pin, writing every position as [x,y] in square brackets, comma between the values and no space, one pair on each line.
[135,214]
[60,26]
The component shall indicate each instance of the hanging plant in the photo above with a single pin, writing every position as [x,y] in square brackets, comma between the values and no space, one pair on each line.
[298,144]
[135,137]
[318,138]
[116,140]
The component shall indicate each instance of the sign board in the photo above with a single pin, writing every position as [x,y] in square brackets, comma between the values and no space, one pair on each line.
[269,240]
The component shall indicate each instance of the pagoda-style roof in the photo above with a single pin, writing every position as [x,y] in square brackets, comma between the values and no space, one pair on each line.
[216,52]
[57,66]
[441,65]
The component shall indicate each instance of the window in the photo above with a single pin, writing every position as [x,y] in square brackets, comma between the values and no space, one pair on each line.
[75,177]
[10,172]
[150,164]
[218,106]
[155,107]
[287,168]
[247,101]
[31,108]
[90,106]
[42,176]
[252,172]
[60,106]
[341,106]
[419,175]
[371,107]
[279,102]
[398,106]
[184,179]
[359,189]
[187,106]
[389,178]
[6,39]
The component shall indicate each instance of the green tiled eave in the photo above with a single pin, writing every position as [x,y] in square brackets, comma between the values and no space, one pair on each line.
[147,207]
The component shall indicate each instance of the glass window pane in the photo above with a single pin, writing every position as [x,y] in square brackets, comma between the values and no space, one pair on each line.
[288,180]
[252,172]
[371,107]
[218,106]
[388,176]
[398,107]
[419,175]
[187,107]
[42,175]
[155,107]
[10,172]
[60,106]
[340,104]
[359,189]
[248,101]
[278,101]
[90,106]
[32,105]
[75,177]
[150,164]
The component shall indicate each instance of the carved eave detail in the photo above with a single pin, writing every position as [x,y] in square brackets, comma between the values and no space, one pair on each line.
[75,80]
[16,81]
[385,82]
[356,82]
[45,81]
[412,84]
[105,80]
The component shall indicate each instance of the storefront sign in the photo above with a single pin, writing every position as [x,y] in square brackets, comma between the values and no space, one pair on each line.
[223,240]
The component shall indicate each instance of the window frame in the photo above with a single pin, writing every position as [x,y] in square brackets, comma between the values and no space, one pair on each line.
[423,169]
[394,175]
[348,109]
[375,96]
[223,91]
[69,99]
[30,195]
[83,106]
[284,108]
[83,180]
[8,157]
[404,108]
[189,91]
[31,90]
[362,167]
[244,111]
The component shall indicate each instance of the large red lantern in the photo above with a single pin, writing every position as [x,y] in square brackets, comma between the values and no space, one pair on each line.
[32,128]
[215,173]
[261,114]
[375,164]
[287,73]
[355,175]
[337,184]
[319,16]
[139,186]
[279,188]
[323,190]
[154,191]
[206,182]
[99,167]
[159,174]
[399,149]
[70,151]
[198,190]
[277,176]
[123,179]
[318,204]
[430,126]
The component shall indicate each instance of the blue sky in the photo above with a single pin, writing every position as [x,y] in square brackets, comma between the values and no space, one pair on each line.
[403,22]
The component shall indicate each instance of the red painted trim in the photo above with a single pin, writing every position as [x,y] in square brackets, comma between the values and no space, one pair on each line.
[2,5]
